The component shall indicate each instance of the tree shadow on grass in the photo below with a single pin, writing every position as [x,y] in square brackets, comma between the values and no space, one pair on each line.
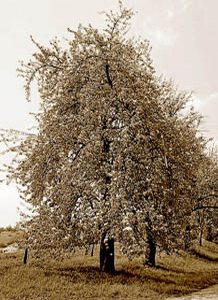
[168,279]
[204,256]
[175,270]
[92,274]
[158,279]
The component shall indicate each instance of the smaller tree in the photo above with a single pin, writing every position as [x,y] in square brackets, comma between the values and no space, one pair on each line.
[206,197]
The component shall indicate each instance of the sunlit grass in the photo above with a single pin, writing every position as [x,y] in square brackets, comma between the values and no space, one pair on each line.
[78,277]
[8,236]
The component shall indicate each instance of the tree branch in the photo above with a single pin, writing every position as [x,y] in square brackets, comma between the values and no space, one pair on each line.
[205,207]
[108,76]
[208,196]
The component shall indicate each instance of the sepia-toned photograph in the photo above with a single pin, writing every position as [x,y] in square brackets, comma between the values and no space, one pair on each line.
[109,150]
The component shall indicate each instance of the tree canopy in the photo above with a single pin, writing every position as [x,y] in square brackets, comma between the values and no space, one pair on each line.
[116,153]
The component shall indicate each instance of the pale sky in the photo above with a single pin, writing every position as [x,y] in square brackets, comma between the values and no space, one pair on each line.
[183,35]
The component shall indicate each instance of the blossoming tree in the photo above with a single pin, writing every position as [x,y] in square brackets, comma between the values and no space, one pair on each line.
[115,156]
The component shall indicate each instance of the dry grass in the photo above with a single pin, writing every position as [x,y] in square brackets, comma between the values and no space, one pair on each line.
[8,237]
[79,278]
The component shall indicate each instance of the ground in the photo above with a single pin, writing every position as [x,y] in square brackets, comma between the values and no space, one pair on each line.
[78,277]
[210,293]
[9,236]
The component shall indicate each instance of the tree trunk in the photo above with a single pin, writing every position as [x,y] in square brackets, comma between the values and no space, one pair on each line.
[187,238]
[92,249]
[210,233]
[107,254]
[201,236]
[201,222]
[151,251]
[89,249]
[25,256]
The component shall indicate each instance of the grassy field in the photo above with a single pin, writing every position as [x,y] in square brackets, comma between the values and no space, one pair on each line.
[8,236]
[79,277]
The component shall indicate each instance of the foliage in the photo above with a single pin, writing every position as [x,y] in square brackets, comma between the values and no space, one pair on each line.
[116,150]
